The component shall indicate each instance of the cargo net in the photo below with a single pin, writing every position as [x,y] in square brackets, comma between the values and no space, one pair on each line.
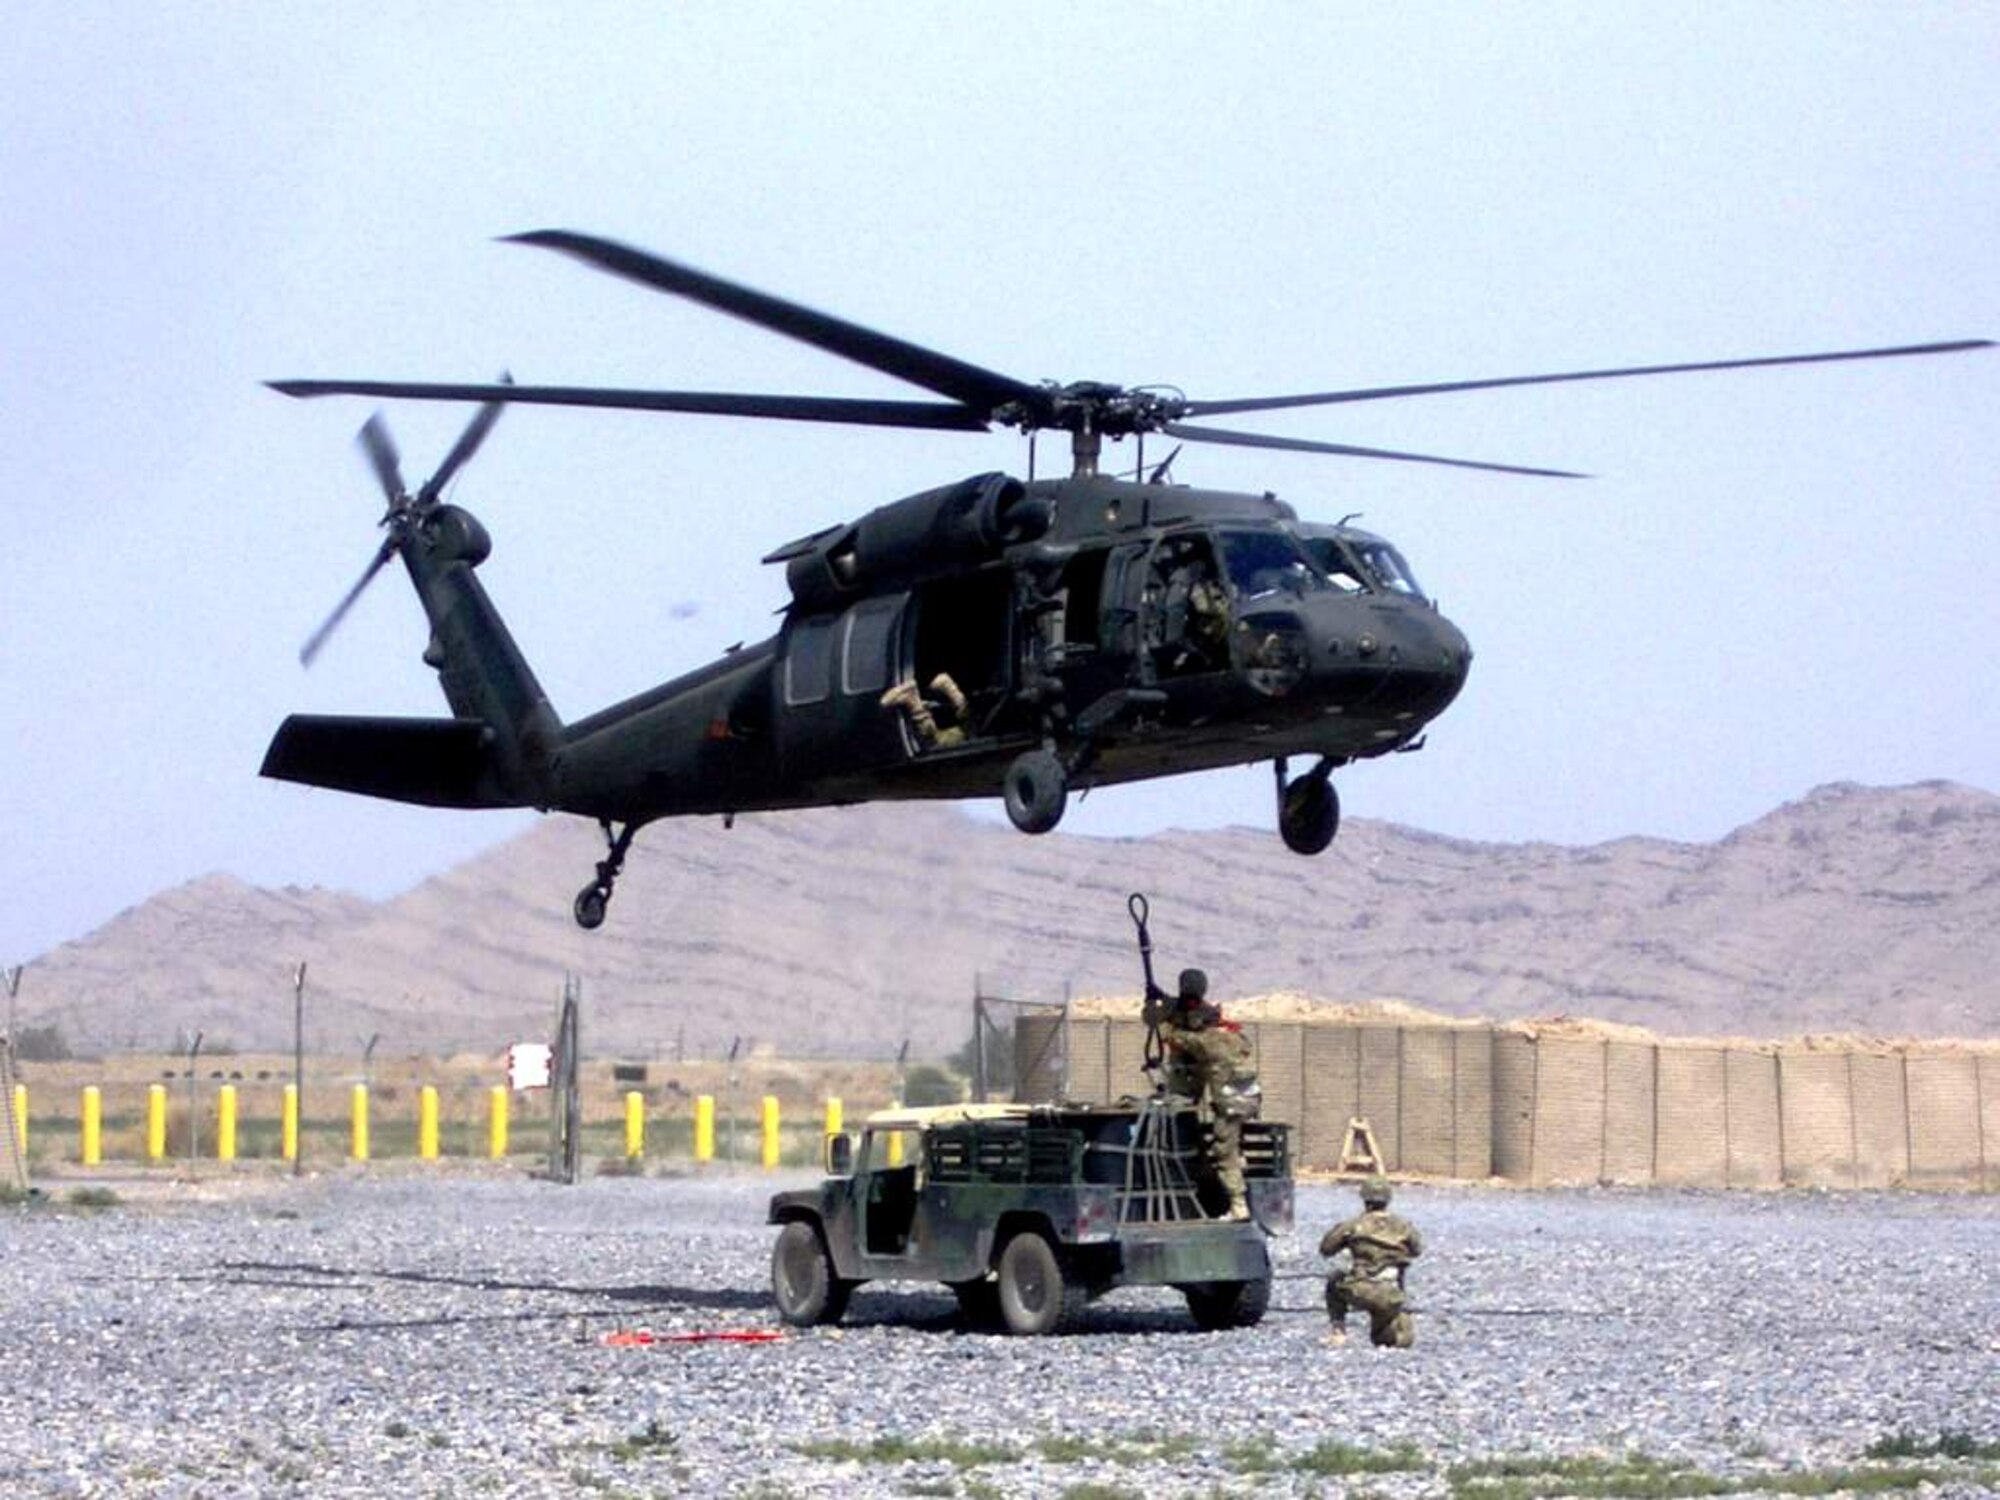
[1158,1189]
[13,1165]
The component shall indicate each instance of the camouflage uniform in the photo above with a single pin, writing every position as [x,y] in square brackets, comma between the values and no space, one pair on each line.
[1378,1244]
[923,713]
[1208,1062]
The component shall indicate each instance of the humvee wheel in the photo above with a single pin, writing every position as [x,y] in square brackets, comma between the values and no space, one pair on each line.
[802,1280]
[1228,1304]
[1035,1297]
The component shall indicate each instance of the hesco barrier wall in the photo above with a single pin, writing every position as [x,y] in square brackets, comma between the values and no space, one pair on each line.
[1426,1092]
[1546,1105]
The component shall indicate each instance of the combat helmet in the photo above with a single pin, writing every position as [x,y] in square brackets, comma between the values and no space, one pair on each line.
[1375,1192]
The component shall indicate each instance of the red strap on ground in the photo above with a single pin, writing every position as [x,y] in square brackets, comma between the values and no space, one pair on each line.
[632,1338]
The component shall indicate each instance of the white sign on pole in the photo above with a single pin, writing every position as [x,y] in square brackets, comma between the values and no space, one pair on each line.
[528,1065]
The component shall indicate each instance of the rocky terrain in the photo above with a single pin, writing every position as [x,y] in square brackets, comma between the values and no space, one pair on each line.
[847,932]
[368,1334]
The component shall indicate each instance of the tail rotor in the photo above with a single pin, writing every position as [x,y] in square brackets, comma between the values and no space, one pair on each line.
[407,512]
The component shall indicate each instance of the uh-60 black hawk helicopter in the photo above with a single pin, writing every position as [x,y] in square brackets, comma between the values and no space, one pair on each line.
[994,634]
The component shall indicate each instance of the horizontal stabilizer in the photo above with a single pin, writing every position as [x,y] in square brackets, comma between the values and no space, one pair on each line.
[433,762]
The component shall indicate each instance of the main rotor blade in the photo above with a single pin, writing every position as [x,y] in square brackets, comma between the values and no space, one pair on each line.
[467,445]
[984,390]
[869,413]
[311,648]
[1302,445]
[1386,392]
[381,450]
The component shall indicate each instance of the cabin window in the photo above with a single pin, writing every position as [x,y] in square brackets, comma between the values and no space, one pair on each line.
[808,661]
[871,629]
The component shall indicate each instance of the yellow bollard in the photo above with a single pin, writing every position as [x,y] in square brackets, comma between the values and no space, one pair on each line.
[288,1123]
[833,1117]
[496,1130]
[225,1123]
[21,1117]
[156,1122]
[427,1122]
[635,1125]
[360,1148]
[93,1125]
[704,1127]
[770,1113]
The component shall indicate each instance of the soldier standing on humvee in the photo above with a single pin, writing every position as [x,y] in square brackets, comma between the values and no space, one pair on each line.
[1208,1061]
[1379,1245]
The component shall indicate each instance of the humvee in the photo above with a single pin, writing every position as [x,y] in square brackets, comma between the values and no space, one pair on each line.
[1027,1212]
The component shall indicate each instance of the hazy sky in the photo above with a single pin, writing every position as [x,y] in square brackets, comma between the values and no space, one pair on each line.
[1778,578]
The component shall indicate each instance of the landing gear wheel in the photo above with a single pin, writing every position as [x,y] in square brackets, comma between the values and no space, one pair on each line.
[1309,814]
[802,1280]
[1216,1305]
[1036,789]
[1035,1297]
[593,898]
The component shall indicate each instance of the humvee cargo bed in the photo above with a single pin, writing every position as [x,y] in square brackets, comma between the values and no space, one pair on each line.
[1027,1212]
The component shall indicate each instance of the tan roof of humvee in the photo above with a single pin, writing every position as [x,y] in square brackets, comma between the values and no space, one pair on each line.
[914,1118]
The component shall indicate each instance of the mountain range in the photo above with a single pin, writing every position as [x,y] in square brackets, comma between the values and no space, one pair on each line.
[849,932]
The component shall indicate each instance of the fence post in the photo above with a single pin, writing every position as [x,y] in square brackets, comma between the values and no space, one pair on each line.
[704,1128]
[770,1131]
[635,1125]
[360,1141]
[156,1122]
[225,1123]
[93,1125]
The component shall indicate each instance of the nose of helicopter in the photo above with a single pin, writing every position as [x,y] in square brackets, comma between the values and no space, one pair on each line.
[1402,662]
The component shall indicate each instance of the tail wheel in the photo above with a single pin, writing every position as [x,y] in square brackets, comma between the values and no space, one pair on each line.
[1035,1296]
[803,1283]
[1036,789]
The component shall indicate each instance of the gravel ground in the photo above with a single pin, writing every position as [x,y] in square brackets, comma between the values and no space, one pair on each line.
[391,1333]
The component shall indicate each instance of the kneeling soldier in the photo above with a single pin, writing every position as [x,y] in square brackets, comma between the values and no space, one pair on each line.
[1379,1245]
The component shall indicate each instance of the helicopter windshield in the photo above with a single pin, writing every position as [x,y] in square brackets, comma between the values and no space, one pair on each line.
[1387,564]
[1263,562]
[1341,570]
[1380,564]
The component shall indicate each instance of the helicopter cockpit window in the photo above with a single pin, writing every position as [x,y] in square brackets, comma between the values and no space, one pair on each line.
[1267,562]
[808,661]
[1388,568]
[1342,571]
